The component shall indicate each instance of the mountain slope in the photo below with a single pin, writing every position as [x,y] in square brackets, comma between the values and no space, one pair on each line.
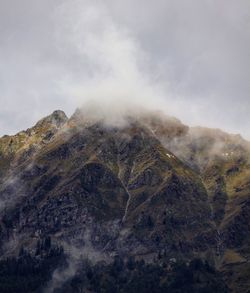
[223,162]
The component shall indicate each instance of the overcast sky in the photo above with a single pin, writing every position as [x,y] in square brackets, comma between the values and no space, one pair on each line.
[188,57]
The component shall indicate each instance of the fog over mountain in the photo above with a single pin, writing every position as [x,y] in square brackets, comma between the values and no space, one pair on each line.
[188,58]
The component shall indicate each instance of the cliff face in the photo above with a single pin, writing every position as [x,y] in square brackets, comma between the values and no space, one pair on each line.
[153,190]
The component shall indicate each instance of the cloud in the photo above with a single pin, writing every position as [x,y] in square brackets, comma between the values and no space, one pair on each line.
[184,56]
[112,57]
[202,49]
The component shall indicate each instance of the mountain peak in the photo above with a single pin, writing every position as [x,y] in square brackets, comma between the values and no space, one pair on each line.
[57,119]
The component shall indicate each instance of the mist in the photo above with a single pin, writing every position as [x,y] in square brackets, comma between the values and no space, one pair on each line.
[75,257]
[189,59]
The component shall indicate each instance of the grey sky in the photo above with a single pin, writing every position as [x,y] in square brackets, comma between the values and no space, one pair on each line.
[190,57]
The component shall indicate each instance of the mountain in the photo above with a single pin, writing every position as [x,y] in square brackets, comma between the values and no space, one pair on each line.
[150,204]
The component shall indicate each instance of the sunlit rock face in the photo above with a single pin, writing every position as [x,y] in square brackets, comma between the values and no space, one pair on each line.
[149,188]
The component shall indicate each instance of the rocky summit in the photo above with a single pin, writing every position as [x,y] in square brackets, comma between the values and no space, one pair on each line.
[150,205]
